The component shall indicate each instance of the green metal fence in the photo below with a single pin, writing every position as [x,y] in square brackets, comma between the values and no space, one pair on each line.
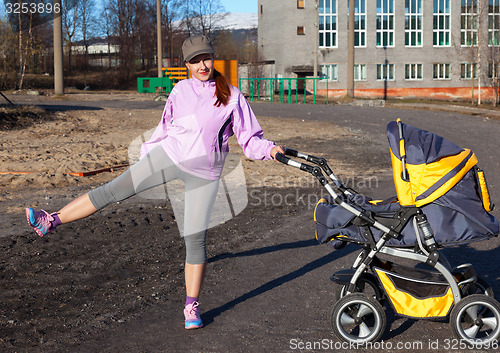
[283,90]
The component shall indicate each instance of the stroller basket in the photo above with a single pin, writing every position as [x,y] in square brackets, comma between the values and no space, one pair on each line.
[416,293]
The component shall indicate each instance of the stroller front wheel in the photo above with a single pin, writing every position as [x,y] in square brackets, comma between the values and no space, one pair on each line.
[476,319]
[358,318]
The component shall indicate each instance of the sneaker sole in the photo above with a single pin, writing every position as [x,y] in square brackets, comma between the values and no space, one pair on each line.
[31,221]
[193,326]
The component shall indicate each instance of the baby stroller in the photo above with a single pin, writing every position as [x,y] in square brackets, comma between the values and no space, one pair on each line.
[442,200]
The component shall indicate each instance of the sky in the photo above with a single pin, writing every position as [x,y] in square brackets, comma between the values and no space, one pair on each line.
[235,6]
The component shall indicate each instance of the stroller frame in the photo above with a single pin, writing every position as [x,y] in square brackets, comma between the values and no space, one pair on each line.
[352,307]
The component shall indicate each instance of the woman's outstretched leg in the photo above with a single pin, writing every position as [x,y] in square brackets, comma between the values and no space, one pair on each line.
[77,209]
[153,170]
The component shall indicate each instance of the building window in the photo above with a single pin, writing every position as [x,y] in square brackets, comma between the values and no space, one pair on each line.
[327,23]
[494,23]
[300,30]
[385,23]
[441,23]
[441,71]
[329,72]
[467,70]
[300,4]
[359,22]
[385,72]
[413,23]
[468,23]
[360,72]
[494,70]
[413,71]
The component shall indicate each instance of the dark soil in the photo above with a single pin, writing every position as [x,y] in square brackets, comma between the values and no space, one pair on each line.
[15,118]
[114,282]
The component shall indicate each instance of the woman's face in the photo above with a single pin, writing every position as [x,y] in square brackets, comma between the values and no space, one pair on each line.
[202,67]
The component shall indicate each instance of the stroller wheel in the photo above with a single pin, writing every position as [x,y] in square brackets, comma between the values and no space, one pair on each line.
[476,319]
[366,284]
[358,318]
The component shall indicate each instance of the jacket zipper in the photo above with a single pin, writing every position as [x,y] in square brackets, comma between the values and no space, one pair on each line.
[199,99]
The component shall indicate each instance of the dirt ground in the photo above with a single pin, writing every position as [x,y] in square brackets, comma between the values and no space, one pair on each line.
[91,276]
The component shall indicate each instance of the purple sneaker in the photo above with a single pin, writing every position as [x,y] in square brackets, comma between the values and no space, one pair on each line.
[40,221]
[192,316]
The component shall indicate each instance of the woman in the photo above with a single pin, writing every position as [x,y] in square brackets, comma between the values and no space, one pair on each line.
[190,143]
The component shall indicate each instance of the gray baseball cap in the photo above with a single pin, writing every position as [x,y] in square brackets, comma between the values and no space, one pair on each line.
[196,45]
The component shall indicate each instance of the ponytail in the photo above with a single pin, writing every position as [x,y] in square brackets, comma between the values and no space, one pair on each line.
[222,89]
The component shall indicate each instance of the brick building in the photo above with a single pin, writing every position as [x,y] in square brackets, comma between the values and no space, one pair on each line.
[403,48]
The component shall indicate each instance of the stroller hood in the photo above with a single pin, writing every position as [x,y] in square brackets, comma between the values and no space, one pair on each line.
[425,166]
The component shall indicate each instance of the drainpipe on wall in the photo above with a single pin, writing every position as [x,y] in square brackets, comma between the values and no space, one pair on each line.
[350,52]
[316,40]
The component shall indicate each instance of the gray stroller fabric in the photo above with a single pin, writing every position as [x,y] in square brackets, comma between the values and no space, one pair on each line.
[458,217]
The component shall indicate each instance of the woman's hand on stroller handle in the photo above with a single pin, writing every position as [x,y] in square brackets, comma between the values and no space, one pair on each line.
[280,157]
[316,171]
[277,150]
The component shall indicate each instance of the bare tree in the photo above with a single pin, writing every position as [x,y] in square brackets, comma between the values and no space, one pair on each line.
[22,48]
[145,27]
[22,64]
[494,49]
[481,11]
[8,57]
[171,12]
[124,25]
[27,43]
[70,17]
[87,25]
[203,16]
[107,29]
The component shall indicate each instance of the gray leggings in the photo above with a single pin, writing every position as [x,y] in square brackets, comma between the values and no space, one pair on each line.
[156,169]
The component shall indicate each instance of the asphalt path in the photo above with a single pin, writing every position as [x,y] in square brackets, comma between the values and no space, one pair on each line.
[478,133]
[285,299]
[282,298]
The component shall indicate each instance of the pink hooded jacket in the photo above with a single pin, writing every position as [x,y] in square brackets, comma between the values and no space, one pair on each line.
[194,133]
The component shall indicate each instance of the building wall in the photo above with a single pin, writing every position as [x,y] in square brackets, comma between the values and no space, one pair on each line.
[293,54]
[278,38]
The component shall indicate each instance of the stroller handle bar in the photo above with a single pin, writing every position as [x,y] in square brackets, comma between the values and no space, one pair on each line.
[321,162]
[316,171]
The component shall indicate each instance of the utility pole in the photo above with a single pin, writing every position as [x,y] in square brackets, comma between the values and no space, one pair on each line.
[158,38]
[58,50]
[350,52]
